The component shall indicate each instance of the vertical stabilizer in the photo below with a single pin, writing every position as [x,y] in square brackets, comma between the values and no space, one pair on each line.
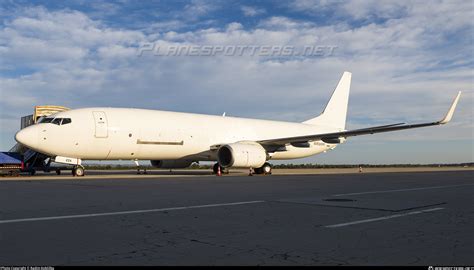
[334,115]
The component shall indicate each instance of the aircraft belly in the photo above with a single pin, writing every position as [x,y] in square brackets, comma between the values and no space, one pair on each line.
[122,144]
[159,143]
[98,149]
[154,152]
[299,152]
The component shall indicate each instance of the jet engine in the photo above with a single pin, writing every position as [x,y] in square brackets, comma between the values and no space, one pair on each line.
[243,155]
[171,164]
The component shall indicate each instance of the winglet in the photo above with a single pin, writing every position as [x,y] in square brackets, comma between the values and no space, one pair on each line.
[450,113]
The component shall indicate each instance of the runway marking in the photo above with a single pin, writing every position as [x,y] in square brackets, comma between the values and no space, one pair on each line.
[399,190]
[126,212]
[383,218]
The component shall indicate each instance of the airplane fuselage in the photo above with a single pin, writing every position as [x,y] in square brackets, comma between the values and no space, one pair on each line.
[122,133]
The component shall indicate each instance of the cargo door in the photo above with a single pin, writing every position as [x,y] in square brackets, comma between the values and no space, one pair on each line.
[100,119]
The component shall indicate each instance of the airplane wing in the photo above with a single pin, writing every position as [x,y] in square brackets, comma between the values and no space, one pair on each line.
[334,136]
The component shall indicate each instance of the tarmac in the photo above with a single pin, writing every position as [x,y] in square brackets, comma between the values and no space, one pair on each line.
[371,218]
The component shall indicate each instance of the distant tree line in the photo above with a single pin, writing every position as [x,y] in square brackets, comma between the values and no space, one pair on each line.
[339,166]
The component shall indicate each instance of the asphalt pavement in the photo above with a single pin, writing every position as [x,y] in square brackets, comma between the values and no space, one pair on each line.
[412,218]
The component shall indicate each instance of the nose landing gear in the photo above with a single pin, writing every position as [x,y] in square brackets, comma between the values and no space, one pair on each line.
[78,170]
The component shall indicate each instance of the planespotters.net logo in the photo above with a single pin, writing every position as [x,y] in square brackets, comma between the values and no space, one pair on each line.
[156,49]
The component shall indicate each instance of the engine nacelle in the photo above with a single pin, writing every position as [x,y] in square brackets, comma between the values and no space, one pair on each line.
[171,164]
[243,155]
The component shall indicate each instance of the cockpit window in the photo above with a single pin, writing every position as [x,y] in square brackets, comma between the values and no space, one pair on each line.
[46,120]
[57,121]
[66,121]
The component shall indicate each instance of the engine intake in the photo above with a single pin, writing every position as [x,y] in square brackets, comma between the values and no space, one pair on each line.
[243,155]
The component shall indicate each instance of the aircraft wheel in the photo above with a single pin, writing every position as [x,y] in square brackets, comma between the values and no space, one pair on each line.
[78,171]
[265,169]
[32,172]
[58,171]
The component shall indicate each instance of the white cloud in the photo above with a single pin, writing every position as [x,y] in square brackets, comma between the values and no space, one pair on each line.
[278,22]
[165,26]
[371,9]
[252,11]
[197,9]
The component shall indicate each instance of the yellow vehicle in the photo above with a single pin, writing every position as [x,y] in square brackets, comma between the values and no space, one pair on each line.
[41,111]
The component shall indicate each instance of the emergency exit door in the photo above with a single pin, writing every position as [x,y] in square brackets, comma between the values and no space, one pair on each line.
[100,119]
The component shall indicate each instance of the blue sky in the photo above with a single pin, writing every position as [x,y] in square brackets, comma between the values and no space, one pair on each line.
[408,59]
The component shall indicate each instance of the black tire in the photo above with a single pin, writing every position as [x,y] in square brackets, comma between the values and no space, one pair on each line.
[58,171]
[79,171]
[32,172]
[266,168]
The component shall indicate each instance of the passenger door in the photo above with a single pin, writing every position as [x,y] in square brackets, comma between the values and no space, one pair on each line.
[100,119]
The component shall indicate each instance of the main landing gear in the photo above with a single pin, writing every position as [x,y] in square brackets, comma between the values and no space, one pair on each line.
[78,170]
[138,167]
[265,169]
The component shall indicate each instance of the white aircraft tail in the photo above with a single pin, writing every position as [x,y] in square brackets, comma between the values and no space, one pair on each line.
[334,115]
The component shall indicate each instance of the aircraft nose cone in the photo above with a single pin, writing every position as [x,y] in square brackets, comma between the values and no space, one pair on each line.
[27,136]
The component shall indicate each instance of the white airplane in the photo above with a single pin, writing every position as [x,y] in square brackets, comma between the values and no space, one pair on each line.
[175,140]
